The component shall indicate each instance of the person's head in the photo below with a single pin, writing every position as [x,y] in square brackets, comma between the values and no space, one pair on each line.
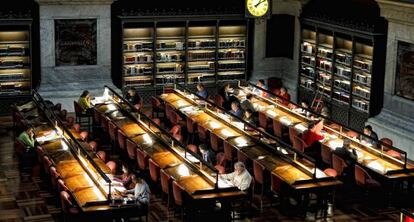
[261,83]
[347,143]
[135,179]
[85,93]
[283,91]
[249,96]
[368,130]
[30,131]
[239,167]
[235,106]
[132,91]
[248,113]
[125,168]
[227,87]
[304,103]
[203,148]
[200,87]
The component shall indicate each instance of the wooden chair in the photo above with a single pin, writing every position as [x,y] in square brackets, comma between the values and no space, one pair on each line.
[178,191]
[93,146]
[81,114]
[338,164]
[157,107]
[191,129]
[154,170]
[165,185]
[142,159]
[216,143]
[259,177]
[122,140]
[69,209]
[54,176]
[326,154]
[221,163]
[193,148]
[131,149]
[111,165]
[363,179]
[203,134]
[101,155]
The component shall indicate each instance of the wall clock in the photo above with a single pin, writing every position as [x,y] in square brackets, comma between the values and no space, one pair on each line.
[257,8]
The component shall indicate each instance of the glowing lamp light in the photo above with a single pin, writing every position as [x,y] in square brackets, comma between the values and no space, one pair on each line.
[183,170]
[300,127]
[286,121]
[376,165]
[335,143]
[241,141]
[282,150]
[214,125]
[147,139]
[227,133]
[181,103]
[271,113]
[64,145]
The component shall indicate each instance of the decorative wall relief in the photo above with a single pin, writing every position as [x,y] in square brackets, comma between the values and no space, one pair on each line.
[75,42]
[404,79]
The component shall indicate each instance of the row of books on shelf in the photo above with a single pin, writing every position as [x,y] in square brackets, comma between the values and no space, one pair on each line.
[307,71]
[202,67]
[342,71]
[198,55]
[138,46]
[342,84]
[202,44]
[142,58]
[8,64]
[363,65]
[308,48]
[325,53]
[341,96]
[170,57]
[137,70]
[13,51]
[231,54]
[231,43]
[308,60]
[360,104]
[363,92]
[230,66]
[170,46]
[14,77]
[344,58]
[324,64]
[362,78]
[13,86]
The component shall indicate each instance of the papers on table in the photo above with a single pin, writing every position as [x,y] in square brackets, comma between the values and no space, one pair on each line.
[335,143]
[376,166]
[223,183]
[227,133]
[45,138]
[241,142]
[214,125]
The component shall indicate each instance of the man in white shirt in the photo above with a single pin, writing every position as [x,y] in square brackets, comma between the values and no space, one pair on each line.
[240,177]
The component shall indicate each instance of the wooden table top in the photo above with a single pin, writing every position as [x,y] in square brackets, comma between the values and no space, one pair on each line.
[69,168]
[193,183]
[165,159]
[89,194]
[78,182]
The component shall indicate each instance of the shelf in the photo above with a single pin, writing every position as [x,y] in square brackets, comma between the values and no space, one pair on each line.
[139,39]
[340,101]
[364,56]
[362,70]
[137,51]
[360,97]
[169,50]
[311,41]
[13,42]
[170,38]
[14,67]
[232,36]
[326,58]
[308,77]
[326,46]
[170,61]
[359,109]
[230,59]
[308,65]
[343,50]
[361,83]
[341,89]
[202,60]
[202,48]
[324,70]
[343,64]
[136,63]
[232,47]
[342,77]
[307,89]
[308,54]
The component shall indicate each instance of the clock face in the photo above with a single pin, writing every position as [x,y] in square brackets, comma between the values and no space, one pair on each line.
[257,8]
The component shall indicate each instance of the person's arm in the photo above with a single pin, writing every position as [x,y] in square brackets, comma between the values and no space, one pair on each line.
[228,176]
[245,182]
[27,140]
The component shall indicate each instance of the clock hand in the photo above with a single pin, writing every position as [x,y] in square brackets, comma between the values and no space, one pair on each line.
[260,2]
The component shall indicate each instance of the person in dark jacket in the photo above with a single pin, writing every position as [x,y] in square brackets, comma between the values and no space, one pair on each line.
[133,97]
[201,91]
[350,157]
[236,110]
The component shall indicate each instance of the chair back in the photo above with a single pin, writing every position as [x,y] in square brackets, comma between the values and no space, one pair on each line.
[19,148]
[76,127]
[46,164]
[361,176]
[190,125]
[165,182]
[177,193]
[96,116]
[65,201]
[178,137]
[84,136]
[275,183]
[394,154]
[298,144]
[352,134]
[93,145]
[155,102]
[292,133]
[142,159]
[215,142]
[122,140]
[176,130]
[157,121]
[242,157]
[262,120]
[154,170]
[228,151]
[193,148]
[40,152]
[111,165]
[78,108]
[62,186]
[326,154]
[338,164]
[386,141]
[202,133]
[70,121]
[168,111]
[258,170]
[131,149]
[277,128]
[219,100]
[63,114]
[104,123]
[54,176]
[102,155]
[112,130]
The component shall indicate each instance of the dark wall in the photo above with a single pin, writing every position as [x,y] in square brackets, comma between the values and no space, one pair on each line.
[280,36]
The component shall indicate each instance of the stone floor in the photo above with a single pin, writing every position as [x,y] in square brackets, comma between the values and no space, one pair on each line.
[24,197]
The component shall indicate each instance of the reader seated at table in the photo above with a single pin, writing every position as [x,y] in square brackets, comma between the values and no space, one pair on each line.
[240,178]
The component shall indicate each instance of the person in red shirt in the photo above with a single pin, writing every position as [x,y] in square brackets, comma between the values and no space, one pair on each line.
[312,137]
[285,97]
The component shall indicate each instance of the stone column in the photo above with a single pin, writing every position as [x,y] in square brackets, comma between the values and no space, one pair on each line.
[396,120]
[284,68]
[65,83]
